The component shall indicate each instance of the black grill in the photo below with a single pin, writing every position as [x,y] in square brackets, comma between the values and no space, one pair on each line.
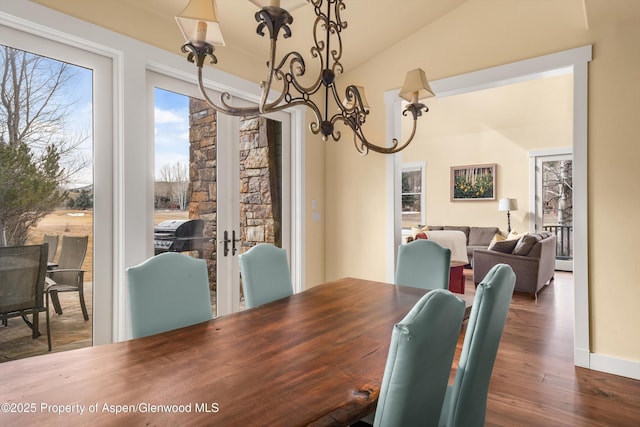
[179,236]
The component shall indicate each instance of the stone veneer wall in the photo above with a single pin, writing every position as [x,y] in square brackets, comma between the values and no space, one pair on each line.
[259,195]
[202,176]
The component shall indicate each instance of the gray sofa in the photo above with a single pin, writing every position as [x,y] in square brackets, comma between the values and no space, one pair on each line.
[532,258]
[477,237]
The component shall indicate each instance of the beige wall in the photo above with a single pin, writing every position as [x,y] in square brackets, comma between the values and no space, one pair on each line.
[315,209]
[485,33]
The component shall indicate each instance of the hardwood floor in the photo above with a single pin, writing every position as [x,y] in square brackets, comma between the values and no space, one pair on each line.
[534,381]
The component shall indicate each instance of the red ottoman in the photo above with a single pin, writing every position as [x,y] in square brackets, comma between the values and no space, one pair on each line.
[456,279]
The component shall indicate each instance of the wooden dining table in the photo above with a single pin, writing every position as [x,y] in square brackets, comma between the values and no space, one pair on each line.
[315,358]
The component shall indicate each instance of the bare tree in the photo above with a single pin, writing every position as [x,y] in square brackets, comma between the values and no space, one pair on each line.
[38,152]
[177,174]
[558,189]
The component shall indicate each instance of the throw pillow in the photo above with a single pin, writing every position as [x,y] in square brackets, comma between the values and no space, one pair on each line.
[524,245]
[504,246]
[496,238]
[514,235]
[421,236]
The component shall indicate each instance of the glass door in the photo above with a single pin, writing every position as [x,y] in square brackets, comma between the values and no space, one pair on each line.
[228,174]
[257,153]
[554,204]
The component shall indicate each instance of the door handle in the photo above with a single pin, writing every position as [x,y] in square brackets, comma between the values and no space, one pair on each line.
[233,241]
[233,244]
[226,243]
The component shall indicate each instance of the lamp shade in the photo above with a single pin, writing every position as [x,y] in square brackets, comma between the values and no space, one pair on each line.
[198,23]
[505,205]
[416,86]
[285,4]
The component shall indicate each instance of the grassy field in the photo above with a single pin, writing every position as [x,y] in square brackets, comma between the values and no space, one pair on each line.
[80,223]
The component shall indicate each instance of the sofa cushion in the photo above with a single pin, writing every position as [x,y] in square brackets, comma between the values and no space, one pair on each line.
[435,227]
[504,246]
[524,245]
[513,234]
[481,236]
[496,238]
[464,229]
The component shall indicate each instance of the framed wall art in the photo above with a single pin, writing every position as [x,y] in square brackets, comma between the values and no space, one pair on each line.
[473,182]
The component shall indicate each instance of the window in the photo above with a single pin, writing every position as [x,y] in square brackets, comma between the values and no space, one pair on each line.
[413,206]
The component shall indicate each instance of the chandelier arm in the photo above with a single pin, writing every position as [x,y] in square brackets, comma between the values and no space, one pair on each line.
[360,147]
[265,86]
[365,146]
[394,148]
[225,107]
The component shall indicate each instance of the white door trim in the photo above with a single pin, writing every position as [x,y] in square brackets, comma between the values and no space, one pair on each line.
[573,60]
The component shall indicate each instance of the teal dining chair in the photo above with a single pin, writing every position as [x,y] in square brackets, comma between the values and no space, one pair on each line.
[419,362]
[168,291]
[423,264]
[265,274]
[466,400]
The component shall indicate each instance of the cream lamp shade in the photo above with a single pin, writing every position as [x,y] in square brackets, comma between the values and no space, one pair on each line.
[416,86]
[505,205]
[284,4]
[198,23]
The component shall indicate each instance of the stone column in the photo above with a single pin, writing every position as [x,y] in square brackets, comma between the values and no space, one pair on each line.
[259,186]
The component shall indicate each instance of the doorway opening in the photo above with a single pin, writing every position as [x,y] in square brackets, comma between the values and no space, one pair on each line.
[575,61]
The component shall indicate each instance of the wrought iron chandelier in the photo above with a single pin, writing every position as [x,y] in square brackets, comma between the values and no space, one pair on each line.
[200,28]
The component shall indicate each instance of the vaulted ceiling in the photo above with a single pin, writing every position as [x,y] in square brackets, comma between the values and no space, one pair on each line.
[373,25]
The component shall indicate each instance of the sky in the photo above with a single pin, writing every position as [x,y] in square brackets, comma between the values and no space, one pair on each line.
[80,119]
[171,116]
[171,113]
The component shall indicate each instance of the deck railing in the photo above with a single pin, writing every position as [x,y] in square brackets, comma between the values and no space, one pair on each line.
[564,240]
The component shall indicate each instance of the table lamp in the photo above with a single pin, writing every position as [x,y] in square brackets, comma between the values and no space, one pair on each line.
[508,205]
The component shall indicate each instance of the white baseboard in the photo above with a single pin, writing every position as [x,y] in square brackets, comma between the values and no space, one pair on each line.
[613,365]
